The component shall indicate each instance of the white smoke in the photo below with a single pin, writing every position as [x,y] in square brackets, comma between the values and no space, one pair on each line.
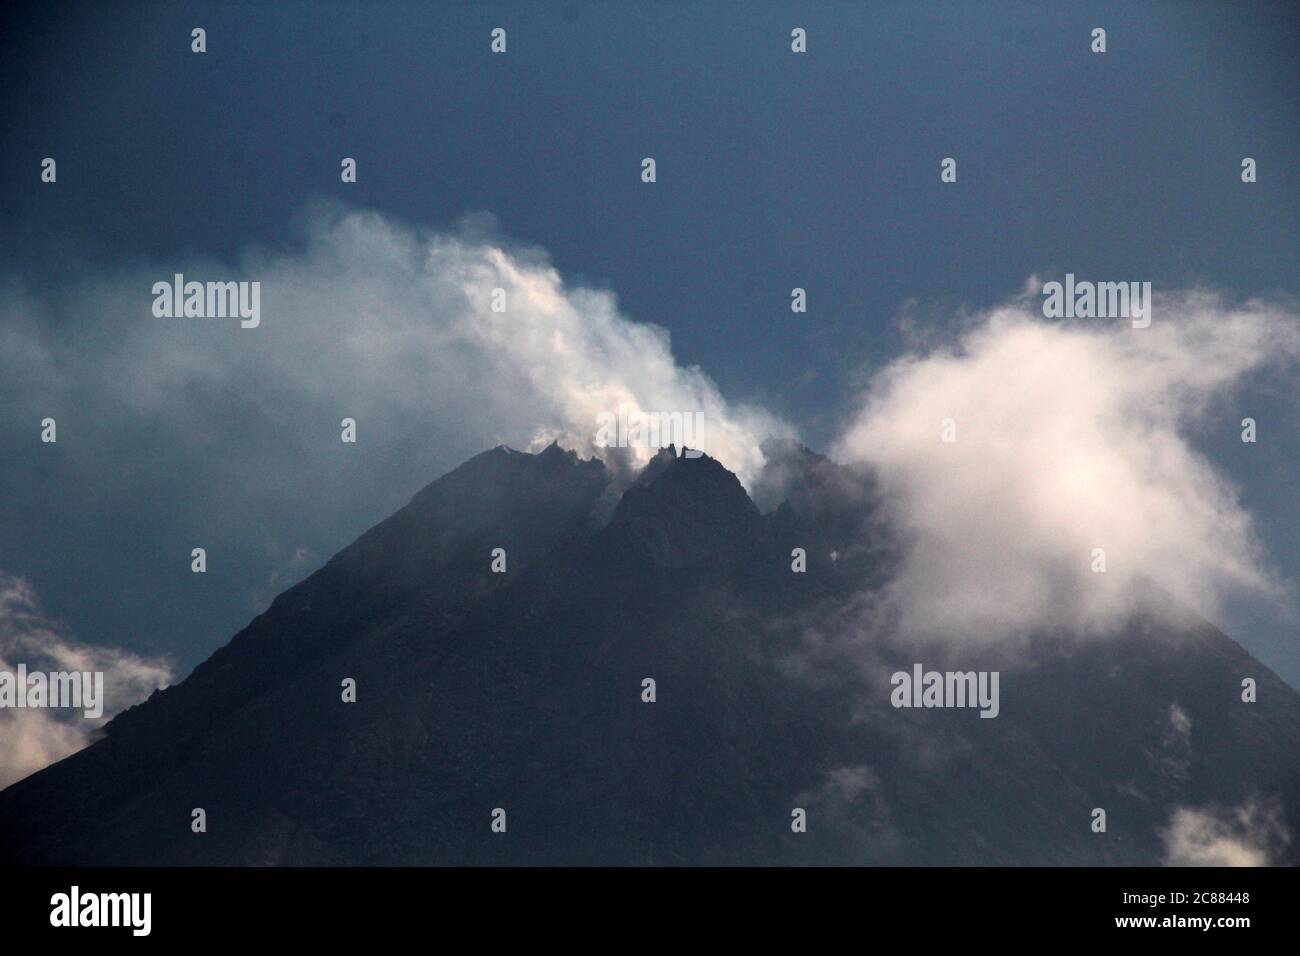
[390,325]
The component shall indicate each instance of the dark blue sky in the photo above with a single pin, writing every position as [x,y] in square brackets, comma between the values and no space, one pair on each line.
[774,171]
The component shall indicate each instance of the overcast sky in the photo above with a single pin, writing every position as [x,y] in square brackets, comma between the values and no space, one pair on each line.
[774,170]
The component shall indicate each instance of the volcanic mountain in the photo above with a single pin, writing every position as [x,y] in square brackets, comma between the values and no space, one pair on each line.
[527,690]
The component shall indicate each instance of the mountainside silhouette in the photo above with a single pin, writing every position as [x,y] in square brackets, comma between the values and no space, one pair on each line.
[523,691]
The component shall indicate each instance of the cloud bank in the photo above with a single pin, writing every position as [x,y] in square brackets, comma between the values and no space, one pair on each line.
[33,738]
[1069,437]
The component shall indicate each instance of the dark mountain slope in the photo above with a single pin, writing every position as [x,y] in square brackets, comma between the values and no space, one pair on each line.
[523,691]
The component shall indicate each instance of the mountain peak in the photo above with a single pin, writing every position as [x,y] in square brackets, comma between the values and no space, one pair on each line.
[683,509]
[519,684]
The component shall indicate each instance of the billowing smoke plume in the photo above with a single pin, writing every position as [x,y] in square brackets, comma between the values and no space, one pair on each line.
[446,338]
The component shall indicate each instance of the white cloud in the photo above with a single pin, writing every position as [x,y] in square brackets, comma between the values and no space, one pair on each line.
[1070,437]
[33,738]
[1248,835]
